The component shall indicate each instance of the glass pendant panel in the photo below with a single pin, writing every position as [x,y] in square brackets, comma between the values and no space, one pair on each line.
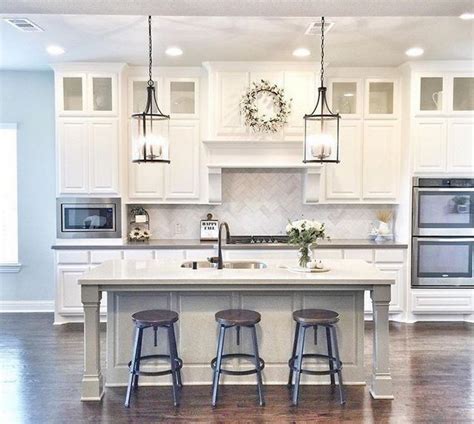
[150,139]
[321,140]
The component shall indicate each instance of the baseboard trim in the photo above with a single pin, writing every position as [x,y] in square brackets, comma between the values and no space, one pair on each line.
[26,306]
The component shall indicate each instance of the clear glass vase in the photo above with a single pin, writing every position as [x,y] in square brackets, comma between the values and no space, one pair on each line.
[305,255]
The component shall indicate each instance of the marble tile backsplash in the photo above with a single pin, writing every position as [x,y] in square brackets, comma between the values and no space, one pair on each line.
[261,202]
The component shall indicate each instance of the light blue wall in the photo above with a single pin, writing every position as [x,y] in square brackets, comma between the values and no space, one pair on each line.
[27,98]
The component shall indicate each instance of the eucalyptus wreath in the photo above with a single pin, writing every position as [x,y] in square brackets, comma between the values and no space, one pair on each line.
[259,122]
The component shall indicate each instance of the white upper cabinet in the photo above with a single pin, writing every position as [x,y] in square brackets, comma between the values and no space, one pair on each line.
[381,98]
[381,160]
[182,174]
[443,124]
[230,87]
[345,97]
[177,181]
[146,180]
[344,179]
[73,157]
[430,144]
[86,93]
[88,156]
[460,157]
[103,156]
[300,87]
[445,93]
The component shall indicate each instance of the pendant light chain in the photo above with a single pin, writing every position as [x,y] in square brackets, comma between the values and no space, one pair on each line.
[150,54]
[322,51]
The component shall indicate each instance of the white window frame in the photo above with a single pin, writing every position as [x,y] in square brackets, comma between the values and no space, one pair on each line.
[14,265]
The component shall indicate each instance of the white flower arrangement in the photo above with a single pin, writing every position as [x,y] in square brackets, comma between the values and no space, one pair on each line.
[303,233]
[260,122]
[139,234]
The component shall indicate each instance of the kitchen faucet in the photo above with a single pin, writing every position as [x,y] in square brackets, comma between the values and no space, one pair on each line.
[218,259]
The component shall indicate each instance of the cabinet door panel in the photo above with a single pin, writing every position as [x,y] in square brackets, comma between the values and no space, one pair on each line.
[461,145]
[300,87]
[146,180]
[231,87]
[69,291]
[343,180]
[104,156]
[73,152]
[182,174]
[381,153]
[430,145]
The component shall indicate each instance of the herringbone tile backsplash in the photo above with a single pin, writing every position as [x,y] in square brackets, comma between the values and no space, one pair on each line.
[261,202]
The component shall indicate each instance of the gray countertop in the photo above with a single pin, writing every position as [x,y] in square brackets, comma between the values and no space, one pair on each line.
[197,244]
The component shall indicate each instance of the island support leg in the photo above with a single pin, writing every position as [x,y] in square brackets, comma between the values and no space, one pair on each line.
[92,380]
[381,387]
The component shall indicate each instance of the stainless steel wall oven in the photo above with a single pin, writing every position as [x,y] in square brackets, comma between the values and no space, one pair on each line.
[443,232]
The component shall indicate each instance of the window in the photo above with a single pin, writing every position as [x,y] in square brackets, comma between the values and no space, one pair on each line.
[8,199]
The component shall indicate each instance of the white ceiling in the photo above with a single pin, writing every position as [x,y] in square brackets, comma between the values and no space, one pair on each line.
[353,41]
[282,8]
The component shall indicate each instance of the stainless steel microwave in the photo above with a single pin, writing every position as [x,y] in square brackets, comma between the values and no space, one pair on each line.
[88,217]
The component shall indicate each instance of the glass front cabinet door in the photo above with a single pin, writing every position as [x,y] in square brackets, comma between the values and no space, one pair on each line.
[430,95]
[183,97]
[72,93]
[463,94]
[87,94]
[345,97]
[103,94]
[381,97]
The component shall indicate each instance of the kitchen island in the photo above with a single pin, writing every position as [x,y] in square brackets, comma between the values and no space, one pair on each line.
[196,295]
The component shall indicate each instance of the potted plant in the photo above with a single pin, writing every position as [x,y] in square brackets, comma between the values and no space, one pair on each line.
[304,234]
[462,204]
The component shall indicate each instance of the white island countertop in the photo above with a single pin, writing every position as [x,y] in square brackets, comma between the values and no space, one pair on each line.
[136,272]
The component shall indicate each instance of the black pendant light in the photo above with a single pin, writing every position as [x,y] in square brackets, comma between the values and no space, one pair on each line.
[150,129]
[321,126]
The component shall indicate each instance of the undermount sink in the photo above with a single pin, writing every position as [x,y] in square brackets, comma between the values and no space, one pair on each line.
[228,265]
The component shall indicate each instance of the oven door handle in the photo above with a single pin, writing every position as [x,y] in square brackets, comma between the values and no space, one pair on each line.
[467,189]
[445,239]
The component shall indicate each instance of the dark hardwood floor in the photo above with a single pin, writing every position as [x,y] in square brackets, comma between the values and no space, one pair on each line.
[432,368]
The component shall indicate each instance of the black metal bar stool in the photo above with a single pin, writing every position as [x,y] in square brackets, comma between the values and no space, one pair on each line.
[315,318]
[155,319]
[237,318]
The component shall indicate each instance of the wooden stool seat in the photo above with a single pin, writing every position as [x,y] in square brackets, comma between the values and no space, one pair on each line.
[154,318]
[240,317]
[316,316]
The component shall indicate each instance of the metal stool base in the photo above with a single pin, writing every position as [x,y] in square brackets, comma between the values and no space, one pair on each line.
[179,365]
[236,356]
[336,363]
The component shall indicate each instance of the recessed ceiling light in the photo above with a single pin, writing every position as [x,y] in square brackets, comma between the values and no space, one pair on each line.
[414,52]
[55,50]
[301,52]
[348,94]
[174,51]
[467,16]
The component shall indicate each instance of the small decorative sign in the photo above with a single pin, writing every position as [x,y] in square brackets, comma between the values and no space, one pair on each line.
[209,228]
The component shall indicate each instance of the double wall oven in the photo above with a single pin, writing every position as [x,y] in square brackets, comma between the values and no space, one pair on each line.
[443,232]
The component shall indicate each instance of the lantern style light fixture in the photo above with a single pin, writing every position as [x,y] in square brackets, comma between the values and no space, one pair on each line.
[150,129]
[321,126]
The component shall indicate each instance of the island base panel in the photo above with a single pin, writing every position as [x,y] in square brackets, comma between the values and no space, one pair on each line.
[197,333]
